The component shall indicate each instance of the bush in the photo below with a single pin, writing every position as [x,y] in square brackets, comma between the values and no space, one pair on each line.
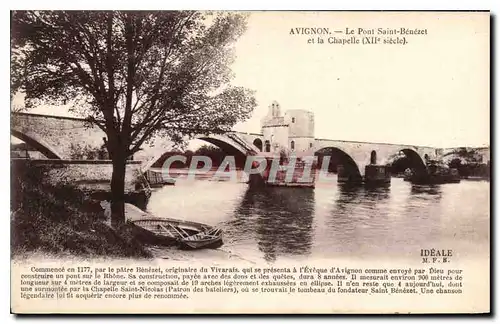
[86,152]
[62,218]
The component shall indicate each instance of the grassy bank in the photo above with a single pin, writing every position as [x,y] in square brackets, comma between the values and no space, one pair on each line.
[62,219]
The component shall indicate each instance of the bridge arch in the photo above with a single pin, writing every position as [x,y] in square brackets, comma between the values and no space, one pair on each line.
[258,143]
[227,147]
[36,143]
[373,157]
[350,168]
[268,146]
[225,143]
[414,161]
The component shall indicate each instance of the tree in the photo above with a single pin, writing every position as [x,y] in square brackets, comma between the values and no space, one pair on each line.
[469,154]
[455,163]
[208,150]
[215,154]
[135,75]
[399,164]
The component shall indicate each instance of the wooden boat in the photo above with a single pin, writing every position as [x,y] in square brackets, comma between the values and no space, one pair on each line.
[169,182]
[156,179]
[189,235]
[209,239]
[166,182]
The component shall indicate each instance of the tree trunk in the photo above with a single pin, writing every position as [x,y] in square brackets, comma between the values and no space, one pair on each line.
[118,191]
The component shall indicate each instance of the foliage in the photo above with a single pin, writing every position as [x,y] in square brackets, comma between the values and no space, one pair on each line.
[135,74]
[216,155]
[61,219]
[85,152]
[468,154]
[399,164]
[470,169]
[208,150]
[468,162]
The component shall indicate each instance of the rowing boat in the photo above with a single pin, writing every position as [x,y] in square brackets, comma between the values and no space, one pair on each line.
[189,235]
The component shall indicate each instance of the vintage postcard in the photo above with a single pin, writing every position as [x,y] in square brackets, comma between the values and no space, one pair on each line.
[250,162]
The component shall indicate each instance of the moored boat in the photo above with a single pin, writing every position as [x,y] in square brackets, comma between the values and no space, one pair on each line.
[208,239]
[188,235]
[156,179]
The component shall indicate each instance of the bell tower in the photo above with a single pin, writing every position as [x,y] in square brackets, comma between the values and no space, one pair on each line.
[274,129]
[275,109]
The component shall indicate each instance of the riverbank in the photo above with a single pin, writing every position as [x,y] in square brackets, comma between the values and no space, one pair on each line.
[62,219]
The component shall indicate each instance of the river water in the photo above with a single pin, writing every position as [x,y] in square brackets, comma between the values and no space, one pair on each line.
[332,221]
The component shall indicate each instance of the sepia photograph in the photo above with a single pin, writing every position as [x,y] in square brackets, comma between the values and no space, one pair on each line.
[250,161]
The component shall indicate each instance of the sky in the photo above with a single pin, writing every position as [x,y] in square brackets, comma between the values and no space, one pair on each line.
[433,91]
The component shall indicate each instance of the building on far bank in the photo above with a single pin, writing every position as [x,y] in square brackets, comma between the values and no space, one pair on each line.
[480,155]
[292,132]
[24,151]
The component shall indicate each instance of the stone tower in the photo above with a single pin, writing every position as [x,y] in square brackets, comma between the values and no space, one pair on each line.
[300,129]
[293,132]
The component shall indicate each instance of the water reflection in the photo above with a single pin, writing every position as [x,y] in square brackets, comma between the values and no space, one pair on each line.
[434,190]
[349,196]
[424,195]
[281,219]
[357,213]
[334,220]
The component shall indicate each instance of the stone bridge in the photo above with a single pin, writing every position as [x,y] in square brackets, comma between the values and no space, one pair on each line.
[358,155]
[57,137]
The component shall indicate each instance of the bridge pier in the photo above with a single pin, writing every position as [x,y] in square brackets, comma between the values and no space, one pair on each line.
[374,175]
[256,181]
[56,136]
[377,175]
